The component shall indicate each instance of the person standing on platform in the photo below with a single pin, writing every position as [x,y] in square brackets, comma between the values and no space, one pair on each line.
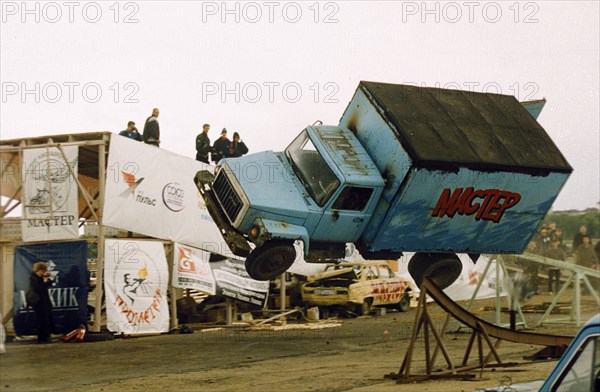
[131,132]
[151,129]
[221,147]
[237,147]
[203,144]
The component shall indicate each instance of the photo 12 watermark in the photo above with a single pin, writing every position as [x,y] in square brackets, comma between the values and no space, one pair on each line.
[469,11]
[521,90]
[270,92]
[269,12]
[53,12]
[69,92]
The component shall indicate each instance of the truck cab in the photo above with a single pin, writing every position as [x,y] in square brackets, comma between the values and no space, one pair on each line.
[322,190]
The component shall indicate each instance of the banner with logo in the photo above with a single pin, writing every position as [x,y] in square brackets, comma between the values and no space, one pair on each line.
[49,194]
[67,266]
[234,282]
[191,269]
[135,282]
[151,191]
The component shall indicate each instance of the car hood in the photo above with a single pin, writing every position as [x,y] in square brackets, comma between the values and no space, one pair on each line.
[271,186]
[342,273]
[532,386]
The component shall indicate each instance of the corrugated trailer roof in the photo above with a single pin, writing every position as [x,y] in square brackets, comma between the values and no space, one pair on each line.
[442,128]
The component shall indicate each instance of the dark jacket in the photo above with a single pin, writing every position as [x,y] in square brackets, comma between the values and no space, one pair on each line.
[220,149]
[135,135]
[556,254]
[41,288]
[586,256]
[237,149]
[151,131]
[577,240]
[43,309]
[202,147]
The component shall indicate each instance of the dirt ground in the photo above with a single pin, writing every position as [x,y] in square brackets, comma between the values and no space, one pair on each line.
[353,356]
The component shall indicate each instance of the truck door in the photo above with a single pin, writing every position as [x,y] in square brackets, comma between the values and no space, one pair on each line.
[344,217]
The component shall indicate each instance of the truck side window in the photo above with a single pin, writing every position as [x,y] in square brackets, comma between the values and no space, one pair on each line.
[310,167]
[353,198]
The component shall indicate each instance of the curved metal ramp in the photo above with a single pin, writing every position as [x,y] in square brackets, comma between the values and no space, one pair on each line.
[474,322]
[481,331]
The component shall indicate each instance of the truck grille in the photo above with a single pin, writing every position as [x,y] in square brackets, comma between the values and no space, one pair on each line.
[229,199]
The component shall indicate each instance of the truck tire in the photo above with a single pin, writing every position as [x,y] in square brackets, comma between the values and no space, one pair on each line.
[404,304]
[442,268]
[270,260]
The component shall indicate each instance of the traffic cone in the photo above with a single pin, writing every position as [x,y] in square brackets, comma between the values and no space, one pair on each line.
[71,335]
[80,334]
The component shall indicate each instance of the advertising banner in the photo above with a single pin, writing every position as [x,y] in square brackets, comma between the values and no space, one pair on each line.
[49,194]
[151,191]
[67,266]
[135,282]
[191,269]
[234,282]
[216,275]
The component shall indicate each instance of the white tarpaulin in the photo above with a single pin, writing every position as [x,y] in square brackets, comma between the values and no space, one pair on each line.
[135,281]
[50,194]
[463,288]
[151,191]
[191,269]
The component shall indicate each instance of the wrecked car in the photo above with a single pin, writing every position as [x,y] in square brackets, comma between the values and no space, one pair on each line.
[358,287]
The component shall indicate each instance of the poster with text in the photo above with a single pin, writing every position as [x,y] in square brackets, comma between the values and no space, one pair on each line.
[151,191]
[135,281]
[191,269]
[50,194]
[234,282]
[68,290]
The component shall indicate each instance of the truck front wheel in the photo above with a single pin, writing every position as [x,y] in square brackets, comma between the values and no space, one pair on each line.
[442,268]
[272,259]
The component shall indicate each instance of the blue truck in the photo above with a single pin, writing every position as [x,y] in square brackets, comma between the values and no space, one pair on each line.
[426,170]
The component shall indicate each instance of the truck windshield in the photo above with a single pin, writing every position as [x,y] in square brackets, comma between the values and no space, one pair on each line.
[311,168]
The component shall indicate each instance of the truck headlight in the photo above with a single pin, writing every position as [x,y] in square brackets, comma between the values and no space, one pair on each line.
[254,232]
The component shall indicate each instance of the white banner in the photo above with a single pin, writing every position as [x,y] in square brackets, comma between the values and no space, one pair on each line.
[135,282]
[151,191]
[50,194]
[217,275]
[191,269]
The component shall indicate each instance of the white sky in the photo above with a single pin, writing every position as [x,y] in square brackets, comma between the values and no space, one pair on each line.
[175,54]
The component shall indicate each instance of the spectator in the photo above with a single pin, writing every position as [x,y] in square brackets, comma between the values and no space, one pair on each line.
[543,241]
[531,268]
[578,239]
[220,149]
[39,281]
[556,253]
[151,129]
[585,254]
[131,132]
[237,148]
[557,235]
[203,144]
